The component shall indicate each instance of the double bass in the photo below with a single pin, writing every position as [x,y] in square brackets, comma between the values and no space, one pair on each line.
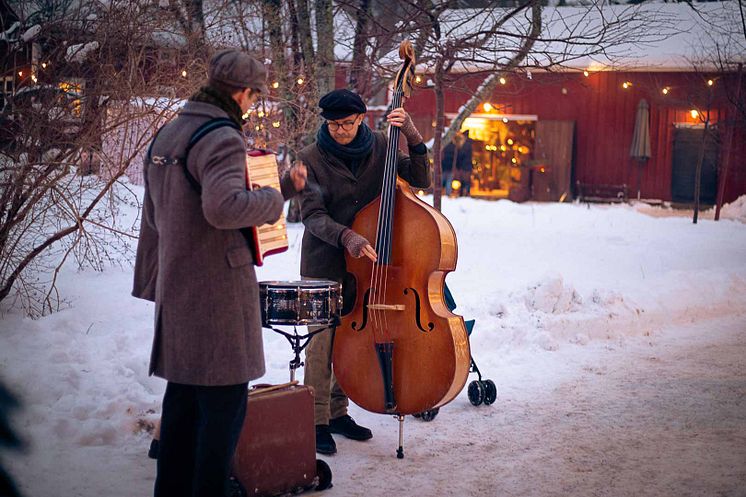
[399,350]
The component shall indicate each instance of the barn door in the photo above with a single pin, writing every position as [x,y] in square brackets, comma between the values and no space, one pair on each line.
[686,145]
[553,150]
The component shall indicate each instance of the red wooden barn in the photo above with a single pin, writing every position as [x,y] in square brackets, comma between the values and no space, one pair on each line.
[575,129]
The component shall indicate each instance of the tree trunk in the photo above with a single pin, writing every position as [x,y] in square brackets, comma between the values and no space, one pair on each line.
[359,82]
[698,173]
[325,46]
[728,147]
[440,122]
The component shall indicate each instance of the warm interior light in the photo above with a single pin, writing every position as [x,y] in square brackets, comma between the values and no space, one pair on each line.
[694,113]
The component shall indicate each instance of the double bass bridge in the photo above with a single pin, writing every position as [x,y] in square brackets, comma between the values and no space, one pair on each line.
[386,307]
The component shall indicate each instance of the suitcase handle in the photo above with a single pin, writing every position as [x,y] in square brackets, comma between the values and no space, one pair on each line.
[266,387]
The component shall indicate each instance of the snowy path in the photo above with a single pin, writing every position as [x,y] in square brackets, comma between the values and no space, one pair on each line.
[660,416]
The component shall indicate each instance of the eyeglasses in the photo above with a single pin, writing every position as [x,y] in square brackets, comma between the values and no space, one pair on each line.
[346,125]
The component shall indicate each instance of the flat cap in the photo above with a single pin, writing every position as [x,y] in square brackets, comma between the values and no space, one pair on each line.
[237,68]
[341,103]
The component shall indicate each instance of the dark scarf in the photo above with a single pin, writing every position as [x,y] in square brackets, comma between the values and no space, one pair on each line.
[352,154]
[210,95]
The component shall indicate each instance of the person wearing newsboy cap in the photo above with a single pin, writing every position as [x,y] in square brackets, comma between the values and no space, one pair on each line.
[345,173]
[194,261]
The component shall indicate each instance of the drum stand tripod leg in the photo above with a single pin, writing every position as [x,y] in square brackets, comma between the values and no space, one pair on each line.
[400,450]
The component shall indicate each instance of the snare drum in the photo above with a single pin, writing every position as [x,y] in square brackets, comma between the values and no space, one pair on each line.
[308,302]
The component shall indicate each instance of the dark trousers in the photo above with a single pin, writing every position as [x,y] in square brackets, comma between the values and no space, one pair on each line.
[200,427]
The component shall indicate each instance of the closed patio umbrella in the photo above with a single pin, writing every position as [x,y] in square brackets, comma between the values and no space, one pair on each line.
[640,149]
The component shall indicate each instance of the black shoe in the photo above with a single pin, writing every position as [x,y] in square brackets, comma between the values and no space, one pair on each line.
[324,441]
[345,425]
[153,451]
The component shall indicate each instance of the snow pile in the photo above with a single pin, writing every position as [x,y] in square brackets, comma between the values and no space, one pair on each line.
[735,210]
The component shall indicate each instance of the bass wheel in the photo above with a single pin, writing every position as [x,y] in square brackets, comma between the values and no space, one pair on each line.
[476,392]
[490,392]
[428,415]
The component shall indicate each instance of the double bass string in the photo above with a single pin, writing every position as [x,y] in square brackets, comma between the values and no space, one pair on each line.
[385,219]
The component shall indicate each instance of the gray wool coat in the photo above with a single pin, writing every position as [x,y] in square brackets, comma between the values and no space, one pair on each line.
[334,195]
[193,261]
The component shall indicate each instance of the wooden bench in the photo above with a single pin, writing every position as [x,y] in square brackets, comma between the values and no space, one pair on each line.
[587,192]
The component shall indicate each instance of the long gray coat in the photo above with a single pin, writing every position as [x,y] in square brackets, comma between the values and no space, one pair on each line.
[334,195]
[193,261]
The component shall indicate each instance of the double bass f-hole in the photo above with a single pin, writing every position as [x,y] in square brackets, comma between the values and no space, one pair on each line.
[366,298]
[418,311]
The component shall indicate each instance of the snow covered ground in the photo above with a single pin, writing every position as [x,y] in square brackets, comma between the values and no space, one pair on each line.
[616,336]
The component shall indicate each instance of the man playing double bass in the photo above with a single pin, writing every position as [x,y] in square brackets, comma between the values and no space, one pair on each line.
[345,173]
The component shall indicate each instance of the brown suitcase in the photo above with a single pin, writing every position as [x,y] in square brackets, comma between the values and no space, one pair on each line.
[276,452]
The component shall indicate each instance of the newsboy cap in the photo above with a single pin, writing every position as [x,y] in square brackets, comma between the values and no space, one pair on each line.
[341,103]
[237,68]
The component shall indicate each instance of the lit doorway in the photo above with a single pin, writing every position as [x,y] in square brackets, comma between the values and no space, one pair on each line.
[502,151]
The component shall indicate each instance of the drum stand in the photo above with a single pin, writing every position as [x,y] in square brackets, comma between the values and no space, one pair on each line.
[298,343]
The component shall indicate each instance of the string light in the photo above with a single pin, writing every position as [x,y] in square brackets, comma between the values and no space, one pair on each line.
[33,78]
[275,85]
[665,90]
[510,141]
[43,65]
[503,80]
[299,81]
[710,82]
[276,124]
[455,184]
[694,113]
[503,148]
[183,74]
[20,73]
[514,160]
[418,79]
[626,85]
[505,120]
[487,106]
[586,73]
[260,113]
